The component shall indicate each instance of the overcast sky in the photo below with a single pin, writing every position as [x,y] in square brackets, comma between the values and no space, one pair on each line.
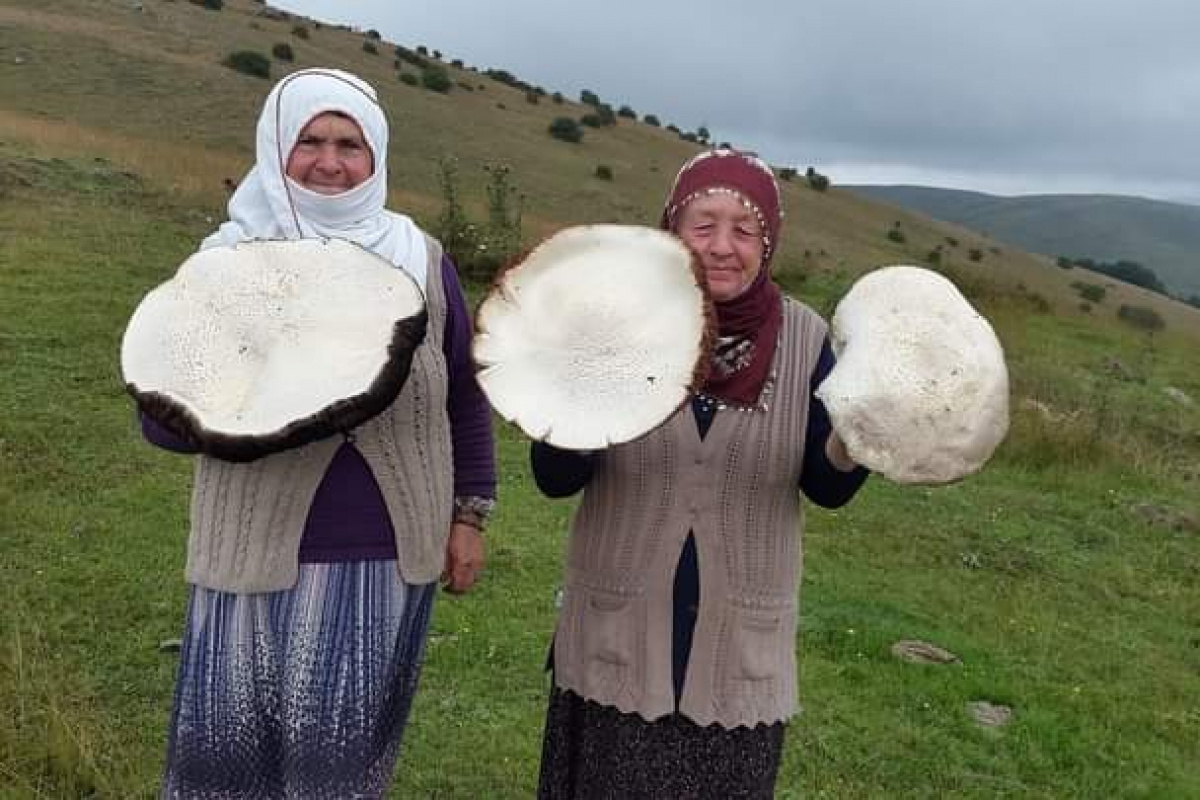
[1003,96]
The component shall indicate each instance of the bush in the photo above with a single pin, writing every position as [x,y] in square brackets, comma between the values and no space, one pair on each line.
[531,98]
[816,181]
[591,120]
[934,257]
[422,50]
[557,98]
[1092,292]
[300,32]
[787,173]
[1146,319]
[457,63]
[283,52]
[370,47]
[975,254]
[373,34]
[673,128]
[651,119]
[436,79]
[566,129]
[950,240]
[211,5]
[589,98]
[1065,263]
[408,79]
[604,172]
[479,250]
[627,112]
[896,235]
[249,62]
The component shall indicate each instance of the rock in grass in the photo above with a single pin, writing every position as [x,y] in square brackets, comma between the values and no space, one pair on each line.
[919,652]
[988,714]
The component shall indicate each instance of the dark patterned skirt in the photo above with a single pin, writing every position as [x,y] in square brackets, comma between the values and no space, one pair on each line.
[595,752]
[301,693]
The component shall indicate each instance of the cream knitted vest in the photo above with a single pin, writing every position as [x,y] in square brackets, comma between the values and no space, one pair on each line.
[737,491]
[248,519]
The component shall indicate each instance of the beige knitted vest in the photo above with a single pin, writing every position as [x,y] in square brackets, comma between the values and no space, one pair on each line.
[737,491]
[248,519]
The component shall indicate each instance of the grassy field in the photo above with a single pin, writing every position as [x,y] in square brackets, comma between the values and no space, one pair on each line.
[1063,575]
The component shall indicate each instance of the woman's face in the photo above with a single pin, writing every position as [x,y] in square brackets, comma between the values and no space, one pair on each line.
[727,237]
[331,156]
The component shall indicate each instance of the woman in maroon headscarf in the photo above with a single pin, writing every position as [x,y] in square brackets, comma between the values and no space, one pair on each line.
[674,659]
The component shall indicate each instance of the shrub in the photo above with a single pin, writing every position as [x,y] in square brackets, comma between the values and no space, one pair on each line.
[591,120]
[816,180]
[896,235]
[673,128]
[283,52]
[408,79]
[458,62]
[689,137]
[589,98]
[480,250]
[627,112]
[650,119]
[211,5]
[566,129]
[300,32]
[1092,292]
[1065,263]
[531,98]
[466,87]
[604,172]
[787,173]
[1194,301]
[249,62]
[436,79]
[404,54]
[975,254]
[702,134]
[1146,319]
[934,257]
[373,34]
[422,50]
[557,98]
[950,240]
[437,54]
[370,47]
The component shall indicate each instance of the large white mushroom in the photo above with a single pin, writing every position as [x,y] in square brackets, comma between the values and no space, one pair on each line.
[596,337]
[920,389]
[269,345]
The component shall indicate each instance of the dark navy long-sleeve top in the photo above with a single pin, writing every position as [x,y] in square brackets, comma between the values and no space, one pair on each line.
[348,519]
[561,473]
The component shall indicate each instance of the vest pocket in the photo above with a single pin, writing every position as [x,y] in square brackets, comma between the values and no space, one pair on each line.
[607,627]
[753,673]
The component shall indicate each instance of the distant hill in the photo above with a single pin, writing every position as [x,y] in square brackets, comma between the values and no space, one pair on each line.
[1162,236]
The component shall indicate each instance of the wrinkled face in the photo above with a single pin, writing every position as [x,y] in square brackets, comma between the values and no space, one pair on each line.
[727,237]
[331,155]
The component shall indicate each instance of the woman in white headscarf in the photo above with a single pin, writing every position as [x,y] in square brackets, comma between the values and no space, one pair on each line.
[299,664]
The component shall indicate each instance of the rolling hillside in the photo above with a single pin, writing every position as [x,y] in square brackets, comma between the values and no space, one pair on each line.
[1062,575]
[1162,236]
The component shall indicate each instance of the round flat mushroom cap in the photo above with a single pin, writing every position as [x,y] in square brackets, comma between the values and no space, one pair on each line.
[269,345]
[596,337]
[920,389]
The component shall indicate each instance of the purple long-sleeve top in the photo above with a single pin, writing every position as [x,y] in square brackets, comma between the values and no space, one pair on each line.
[348,519]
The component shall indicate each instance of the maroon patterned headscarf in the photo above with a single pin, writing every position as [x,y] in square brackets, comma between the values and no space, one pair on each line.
[748,325]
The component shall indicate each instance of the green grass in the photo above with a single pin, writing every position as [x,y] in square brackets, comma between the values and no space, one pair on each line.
[1060,601]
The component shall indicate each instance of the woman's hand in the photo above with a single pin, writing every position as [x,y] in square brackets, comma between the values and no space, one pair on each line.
[838,455]
[464,558]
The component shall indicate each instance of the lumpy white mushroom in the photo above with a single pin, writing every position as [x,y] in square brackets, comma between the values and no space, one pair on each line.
[920,389]
[595,338]
[267,345]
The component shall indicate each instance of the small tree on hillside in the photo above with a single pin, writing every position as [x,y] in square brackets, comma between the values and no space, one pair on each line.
[249,62]
[435,78]
[589,98]
[566,129]
[651,119]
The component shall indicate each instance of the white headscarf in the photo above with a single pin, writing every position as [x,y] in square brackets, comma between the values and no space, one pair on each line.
[270,205]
